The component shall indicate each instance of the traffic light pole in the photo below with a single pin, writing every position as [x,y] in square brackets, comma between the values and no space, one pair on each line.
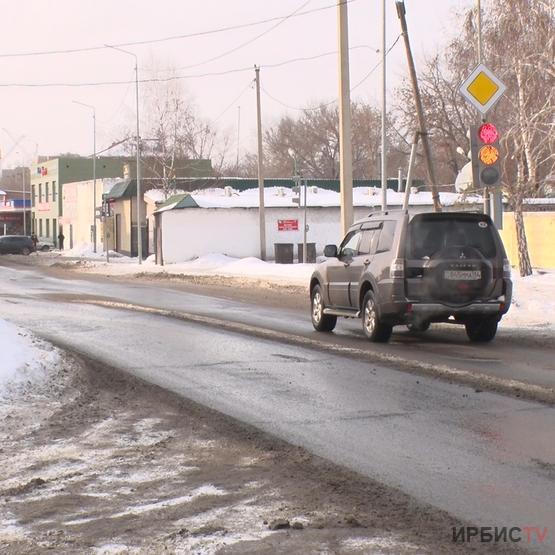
[261,213]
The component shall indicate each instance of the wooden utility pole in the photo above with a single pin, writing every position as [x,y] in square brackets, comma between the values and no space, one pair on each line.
[419,110]
[261,214]
[345,148]
[384,111]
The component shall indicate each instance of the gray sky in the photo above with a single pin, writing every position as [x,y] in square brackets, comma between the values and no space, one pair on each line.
[47,116]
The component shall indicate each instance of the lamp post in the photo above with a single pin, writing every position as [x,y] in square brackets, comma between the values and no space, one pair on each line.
[139,230]
[94,169]
[24,190]
[298,179]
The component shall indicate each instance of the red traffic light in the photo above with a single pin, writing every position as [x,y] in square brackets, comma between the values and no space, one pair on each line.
[488,133]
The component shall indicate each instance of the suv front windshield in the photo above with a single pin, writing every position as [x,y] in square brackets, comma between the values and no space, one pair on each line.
[429,234]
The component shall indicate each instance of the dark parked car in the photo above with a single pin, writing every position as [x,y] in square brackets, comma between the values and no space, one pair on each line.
[394,269]
[16,244]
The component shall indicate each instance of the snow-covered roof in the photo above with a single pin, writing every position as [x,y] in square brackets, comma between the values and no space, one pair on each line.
[316,197]
[158,195]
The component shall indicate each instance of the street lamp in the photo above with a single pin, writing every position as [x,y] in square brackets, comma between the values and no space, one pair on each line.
[298,179]
[139,231]
[94,169]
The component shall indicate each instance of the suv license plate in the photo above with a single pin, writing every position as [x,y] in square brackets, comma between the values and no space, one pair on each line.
[463,275]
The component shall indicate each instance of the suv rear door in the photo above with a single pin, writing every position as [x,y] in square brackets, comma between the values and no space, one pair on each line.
[452,258]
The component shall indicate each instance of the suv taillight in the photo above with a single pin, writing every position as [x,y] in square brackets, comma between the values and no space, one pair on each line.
[397,269]
[506,268]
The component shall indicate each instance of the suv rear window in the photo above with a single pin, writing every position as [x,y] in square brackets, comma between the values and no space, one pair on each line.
[430,233]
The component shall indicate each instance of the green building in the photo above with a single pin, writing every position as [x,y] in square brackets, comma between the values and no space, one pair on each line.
[47,183]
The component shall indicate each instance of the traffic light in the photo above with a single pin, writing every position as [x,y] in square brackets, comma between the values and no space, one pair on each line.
[485,156]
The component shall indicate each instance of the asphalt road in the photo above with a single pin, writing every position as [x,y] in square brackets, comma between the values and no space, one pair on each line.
[484,457]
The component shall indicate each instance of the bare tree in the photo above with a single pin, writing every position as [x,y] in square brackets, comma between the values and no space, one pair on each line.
[313,137]
[174,137]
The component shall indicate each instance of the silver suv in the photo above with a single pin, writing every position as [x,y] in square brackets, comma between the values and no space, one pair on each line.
[392,268]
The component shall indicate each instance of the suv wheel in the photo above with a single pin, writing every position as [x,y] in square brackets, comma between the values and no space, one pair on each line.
[320,321]
[483,330]
[26,251]
[374,328]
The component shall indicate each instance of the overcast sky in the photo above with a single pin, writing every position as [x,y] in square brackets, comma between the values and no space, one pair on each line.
[46,116]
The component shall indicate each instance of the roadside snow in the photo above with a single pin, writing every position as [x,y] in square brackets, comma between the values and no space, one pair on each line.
[218,265]
[533,302]
[24,358]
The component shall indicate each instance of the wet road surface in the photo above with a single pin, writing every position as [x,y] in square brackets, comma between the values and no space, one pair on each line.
[484,457]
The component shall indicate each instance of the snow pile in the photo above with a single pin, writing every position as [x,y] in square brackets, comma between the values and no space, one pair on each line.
[24,358]
[216,265]
[86,250]
[533,301]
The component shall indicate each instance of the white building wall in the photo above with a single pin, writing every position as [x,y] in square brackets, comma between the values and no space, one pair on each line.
[192,232]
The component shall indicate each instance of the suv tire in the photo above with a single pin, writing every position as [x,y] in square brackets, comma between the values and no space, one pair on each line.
[372,326]
[26,251]
[481,331]
[320,321]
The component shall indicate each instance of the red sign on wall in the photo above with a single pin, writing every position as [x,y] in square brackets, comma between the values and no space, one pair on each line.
[288,225]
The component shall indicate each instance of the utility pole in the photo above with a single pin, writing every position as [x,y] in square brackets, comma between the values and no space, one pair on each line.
[345,148]
[384,112]
[479,29]
[238,137]
[485,192]
[24,201]
[261,214]
[305,256]
[419,109]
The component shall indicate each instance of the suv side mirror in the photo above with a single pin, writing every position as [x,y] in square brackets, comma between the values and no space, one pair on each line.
[330,251]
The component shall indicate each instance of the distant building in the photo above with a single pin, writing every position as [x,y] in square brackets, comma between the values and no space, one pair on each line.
[47,181]
[15,201]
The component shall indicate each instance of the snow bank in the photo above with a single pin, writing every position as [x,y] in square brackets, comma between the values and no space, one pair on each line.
[86,250]
[533,301]
[217,265]
[24,358]
[533,296]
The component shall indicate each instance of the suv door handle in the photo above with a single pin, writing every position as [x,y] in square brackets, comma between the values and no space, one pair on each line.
[366,261]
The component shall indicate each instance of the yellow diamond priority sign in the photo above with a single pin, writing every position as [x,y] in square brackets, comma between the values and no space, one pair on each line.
[482,89]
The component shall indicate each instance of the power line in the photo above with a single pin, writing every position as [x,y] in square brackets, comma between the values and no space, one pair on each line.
[174,37]
[172,77]
[374,68]
[232,103]
[250,41]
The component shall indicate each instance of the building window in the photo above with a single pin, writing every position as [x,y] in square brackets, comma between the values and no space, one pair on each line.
[40,193]
[47,227]
[40,228]
[54,192]
[33,195]
[46,192]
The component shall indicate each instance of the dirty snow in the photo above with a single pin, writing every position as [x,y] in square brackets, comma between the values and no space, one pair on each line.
[24,358]
[533,303]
